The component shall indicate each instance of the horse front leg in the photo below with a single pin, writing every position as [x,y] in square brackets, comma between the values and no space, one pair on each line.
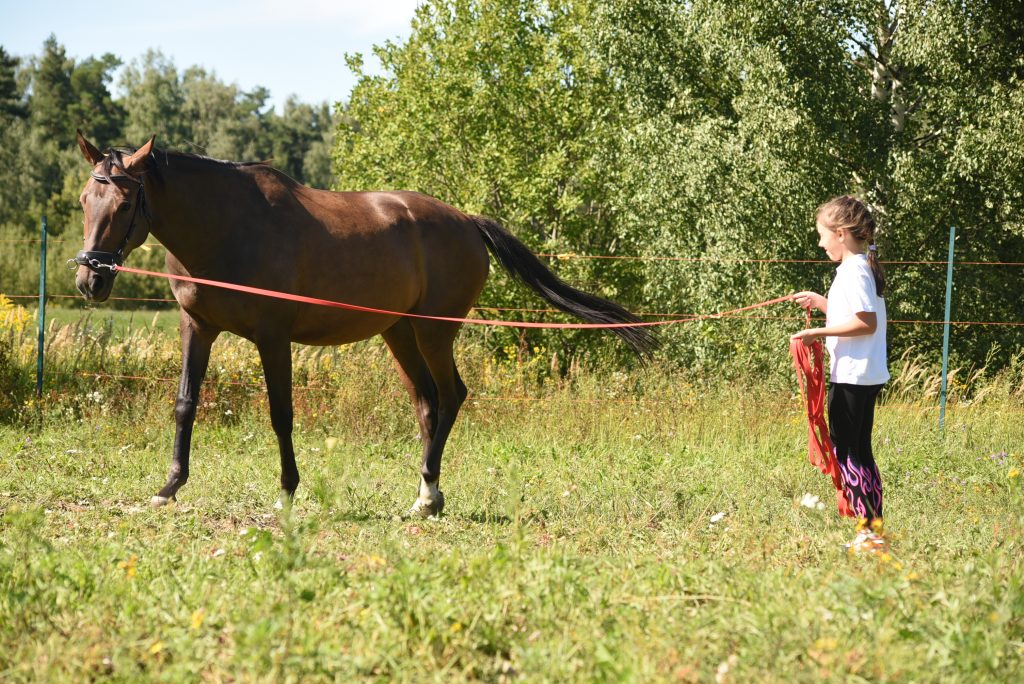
[196,343]
[276,356]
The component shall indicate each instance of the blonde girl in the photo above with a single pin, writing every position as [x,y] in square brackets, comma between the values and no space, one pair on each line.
[855,336]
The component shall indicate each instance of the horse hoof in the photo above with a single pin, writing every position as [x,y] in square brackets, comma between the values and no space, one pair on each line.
[160,501]
[427,508]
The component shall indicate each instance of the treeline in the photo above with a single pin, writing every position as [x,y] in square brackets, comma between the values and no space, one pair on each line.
[711,130]
[44,98]
[697,136]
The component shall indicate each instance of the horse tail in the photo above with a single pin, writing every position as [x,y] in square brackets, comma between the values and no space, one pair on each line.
[523,265]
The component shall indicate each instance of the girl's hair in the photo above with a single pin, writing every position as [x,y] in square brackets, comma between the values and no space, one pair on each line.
[853,216]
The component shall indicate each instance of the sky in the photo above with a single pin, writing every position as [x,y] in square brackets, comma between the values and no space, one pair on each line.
[290,47]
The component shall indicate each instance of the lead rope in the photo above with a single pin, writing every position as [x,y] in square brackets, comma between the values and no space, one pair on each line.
[810,376]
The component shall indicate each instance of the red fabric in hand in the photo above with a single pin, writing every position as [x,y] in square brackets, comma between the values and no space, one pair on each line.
[810,376]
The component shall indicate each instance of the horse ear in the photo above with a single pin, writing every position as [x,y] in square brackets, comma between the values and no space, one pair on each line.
[89,151]
[137,162]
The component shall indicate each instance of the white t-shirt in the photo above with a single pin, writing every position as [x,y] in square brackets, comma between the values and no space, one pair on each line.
[857,360]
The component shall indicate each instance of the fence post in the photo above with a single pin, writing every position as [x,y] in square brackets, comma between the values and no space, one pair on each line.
[42,310]
[945,330]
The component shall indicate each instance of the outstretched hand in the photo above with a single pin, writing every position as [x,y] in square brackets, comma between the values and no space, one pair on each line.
[810,300]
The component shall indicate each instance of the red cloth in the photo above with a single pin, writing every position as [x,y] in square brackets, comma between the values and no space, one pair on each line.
[811,377]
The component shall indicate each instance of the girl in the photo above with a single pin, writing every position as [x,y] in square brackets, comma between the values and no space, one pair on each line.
[854,334]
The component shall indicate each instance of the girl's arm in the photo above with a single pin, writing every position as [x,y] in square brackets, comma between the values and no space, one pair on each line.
[862,323]
[810,300]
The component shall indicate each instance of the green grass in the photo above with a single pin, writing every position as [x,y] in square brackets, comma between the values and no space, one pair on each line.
[118,322]
[577,543]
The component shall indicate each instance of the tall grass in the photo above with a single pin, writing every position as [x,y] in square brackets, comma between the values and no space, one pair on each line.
[601,525]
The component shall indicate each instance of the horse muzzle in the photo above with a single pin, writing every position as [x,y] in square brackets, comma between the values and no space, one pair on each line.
[96,273]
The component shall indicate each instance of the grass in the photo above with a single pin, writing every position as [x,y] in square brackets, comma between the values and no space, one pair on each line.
[577,543]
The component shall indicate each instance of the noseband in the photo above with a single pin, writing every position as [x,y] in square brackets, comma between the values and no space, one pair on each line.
[98,261]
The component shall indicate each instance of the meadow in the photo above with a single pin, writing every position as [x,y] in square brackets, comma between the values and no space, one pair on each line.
[601,525]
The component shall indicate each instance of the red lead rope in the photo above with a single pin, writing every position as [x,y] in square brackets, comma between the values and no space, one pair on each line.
[811,377]
[478,321]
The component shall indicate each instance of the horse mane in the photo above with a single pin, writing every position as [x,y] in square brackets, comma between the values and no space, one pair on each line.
[113,160]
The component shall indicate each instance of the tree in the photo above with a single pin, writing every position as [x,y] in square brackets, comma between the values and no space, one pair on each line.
[94,110]
[497,108]
[154,101]
[744,116]
[52,93]
[11,105]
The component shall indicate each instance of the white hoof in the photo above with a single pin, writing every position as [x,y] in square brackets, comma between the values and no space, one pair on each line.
[160,501]
[430,502]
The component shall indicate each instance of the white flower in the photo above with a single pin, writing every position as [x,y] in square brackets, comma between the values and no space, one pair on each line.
[717,516]
[811,501]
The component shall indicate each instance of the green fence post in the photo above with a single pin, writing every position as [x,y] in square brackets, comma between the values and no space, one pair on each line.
[945,330]
[42,310]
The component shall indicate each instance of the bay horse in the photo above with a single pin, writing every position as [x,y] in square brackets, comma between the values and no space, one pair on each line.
[250,224]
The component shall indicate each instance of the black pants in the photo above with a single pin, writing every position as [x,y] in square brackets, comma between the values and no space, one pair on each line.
[851,415]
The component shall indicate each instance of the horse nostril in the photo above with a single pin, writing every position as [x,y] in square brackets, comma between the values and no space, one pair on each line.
[99,283]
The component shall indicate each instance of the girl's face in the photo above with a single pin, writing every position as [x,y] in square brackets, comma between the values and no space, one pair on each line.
[831,241]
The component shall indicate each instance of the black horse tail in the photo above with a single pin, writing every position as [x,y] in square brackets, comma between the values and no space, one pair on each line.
[523,265]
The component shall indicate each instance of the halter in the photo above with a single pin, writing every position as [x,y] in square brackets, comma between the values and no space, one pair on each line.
[97,260]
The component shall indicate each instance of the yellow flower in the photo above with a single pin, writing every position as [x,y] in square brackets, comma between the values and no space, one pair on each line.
[456,627]
[912,576]
[197,618]
[129,566]
[826,644]
[156,647]
[1014,473]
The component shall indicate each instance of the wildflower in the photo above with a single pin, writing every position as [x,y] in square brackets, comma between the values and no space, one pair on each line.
[156,647]
[129,566]
[1013,473]
[331,442]
[811,501]
[717,516]
[197,618]
[724,667]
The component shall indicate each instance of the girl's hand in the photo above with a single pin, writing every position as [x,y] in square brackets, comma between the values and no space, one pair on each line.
[807,335]
[810,300]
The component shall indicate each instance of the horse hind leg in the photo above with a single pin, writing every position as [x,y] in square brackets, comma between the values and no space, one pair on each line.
[415,375]
[434,341]
[419,382]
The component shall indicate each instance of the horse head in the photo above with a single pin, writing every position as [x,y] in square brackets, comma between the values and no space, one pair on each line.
[116,220]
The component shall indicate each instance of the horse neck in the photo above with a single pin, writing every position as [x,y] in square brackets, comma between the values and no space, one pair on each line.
[190,208]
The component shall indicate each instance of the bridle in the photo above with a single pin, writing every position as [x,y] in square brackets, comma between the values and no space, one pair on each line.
[97,260]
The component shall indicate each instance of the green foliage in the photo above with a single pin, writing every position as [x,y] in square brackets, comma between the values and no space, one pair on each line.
[710,131]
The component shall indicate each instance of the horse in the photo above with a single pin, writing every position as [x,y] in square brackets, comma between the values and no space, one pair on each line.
[250,224]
